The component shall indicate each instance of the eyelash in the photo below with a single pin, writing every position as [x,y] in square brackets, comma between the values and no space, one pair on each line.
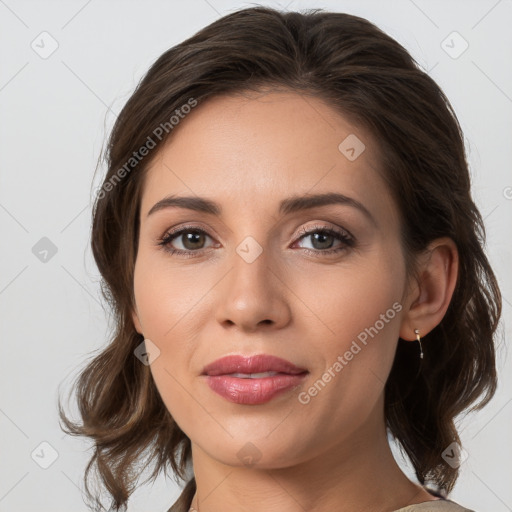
[347,239]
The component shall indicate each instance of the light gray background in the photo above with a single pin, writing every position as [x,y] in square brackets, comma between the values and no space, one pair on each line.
[55,113]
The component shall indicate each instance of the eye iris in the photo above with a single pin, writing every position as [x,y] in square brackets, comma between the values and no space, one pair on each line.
[322,237]
[193,237]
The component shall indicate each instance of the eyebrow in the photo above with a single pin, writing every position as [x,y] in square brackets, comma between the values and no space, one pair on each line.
[286,206]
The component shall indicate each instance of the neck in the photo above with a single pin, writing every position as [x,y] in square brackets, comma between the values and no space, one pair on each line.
[358,474]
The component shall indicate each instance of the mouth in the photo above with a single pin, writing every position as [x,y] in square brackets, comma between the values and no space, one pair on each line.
[252,380]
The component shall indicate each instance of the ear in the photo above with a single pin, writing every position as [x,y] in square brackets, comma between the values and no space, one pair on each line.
[136,321]
[430,295]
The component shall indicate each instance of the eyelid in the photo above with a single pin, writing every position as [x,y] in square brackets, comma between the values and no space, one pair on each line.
[319,227]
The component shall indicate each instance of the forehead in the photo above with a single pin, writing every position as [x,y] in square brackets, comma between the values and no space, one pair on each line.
[260,147]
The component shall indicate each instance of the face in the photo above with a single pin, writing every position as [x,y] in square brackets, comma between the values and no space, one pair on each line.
[320,285]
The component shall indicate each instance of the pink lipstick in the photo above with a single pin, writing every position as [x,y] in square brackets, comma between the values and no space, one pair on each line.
[254,379]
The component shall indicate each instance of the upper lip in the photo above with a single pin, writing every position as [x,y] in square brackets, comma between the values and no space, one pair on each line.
[251,364]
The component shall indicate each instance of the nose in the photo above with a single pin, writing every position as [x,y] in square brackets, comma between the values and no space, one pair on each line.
[253,295]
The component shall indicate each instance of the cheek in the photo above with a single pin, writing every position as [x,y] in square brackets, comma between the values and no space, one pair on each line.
[358,310]
[162,308]
[165,298]
[360,313]
[170,302]
[346,301]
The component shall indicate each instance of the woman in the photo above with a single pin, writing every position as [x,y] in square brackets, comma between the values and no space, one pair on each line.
[287,237]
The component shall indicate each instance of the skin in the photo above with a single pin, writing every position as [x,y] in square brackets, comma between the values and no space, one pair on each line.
[247,153]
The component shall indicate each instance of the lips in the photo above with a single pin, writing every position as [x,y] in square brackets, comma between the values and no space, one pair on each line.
[236,364]
[252,380]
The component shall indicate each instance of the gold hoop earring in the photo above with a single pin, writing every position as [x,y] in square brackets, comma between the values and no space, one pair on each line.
[417,332]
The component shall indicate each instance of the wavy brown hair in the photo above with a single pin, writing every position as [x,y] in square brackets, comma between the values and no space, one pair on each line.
[369,78]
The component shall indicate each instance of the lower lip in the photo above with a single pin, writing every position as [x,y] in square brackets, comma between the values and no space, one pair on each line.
[252,391]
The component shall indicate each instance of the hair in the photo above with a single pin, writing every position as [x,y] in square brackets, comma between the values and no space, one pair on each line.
[368,77]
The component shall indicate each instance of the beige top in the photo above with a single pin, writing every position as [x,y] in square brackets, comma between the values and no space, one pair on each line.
[183,503]
[442,505]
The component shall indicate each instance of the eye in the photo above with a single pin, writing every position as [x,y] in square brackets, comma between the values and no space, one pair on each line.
[191,238]
[323,238]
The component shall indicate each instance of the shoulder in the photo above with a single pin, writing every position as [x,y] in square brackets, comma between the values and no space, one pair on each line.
[435,506]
